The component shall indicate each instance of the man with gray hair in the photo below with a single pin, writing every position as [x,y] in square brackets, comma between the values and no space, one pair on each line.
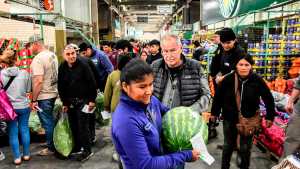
[44,88]
[179,81]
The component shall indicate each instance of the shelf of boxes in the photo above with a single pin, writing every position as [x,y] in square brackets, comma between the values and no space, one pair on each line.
[273,56]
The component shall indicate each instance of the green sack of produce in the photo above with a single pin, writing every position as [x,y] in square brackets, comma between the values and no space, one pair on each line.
[34,122]
[99,109]
[62,136]
[179,125]
[57,107]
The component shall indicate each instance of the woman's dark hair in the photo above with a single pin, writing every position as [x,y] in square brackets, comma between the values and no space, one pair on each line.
[4,45]
[122,61]
[135,70]
[10,60]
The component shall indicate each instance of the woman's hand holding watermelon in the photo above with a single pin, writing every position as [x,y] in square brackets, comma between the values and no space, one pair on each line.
[196,155]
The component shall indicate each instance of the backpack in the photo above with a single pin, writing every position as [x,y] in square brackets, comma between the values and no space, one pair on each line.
[7,112]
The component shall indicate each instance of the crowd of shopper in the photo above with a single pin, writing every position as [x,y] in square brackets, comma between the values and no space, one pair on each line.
[141,82]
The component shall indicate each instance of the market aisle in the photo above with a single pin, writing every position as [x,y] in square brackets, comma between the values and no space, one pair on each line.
[101,159]
[103,153]
[259,160]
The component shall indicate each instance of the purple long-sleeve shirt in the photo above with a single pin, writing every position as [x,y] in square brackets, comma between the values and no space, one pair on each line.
[137,139]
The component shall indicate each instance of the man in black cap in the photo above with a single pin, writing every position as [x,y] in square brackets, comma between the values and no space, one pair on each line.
[223,62]
[225,56]
[154,51]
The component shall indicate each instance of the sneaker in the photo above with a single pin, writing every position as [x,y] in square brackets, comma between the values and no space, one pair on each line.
[115,157]
[76,153]
[2,156]
[18,161]
[46,152]
[85,156]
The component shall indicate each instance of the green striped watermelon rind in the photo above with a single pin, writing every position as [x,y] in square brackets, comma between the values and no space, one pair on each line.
[179,125]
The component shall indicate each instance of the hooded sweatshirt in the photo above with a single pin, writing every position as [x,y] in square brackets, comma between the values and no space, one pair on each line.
[18,88]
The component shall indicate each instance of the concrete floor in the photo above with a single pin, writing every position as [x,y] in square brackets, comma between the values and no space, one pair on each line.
[103,157]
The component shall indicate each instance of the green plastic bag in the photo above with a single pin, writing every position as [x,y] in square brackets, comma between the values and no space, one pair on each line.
[99,109]
[62,136]
[34,122]
[57,107]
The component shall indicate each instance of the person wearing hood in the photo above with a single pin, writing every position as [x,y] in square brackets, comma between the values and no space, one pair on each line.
[20,85]
[227,54]
[101,61]
[249,87]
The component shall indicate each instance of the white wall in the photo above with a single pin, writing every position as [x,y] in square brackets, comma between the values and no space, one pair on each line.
[23,30]
[78,10]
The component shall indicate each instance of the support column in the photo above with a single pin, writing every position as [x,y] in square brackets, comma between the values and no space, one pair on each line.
[60,32]
[201,13]
[123,27]
[95,29]
[60,38]
[186,13]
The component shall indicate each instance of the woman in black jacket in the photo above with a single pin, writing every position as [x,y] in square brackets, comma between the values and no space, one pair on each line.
[252,88]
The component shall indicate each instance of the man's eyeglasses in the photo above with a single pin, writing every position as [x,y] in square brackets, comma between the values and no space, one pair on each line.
[170,51]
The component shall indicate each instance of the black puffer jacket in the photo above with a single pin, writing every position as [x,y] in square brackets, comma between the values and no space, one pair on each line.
[193,85]
[151,58]
[224,61]
[252,89]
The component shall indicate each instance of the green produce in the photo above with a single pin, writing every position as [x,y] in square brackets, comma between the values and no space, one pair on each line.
[34,122]
[179,125]
[57,107]
[62,136]
[99,109]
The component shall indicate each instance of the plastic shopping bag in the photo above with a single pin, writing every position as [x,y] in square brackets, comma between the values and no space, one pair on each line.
[62,136]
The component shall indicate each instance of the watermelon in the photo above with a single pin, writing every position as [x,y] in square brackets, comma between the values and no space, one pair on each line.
[179,125]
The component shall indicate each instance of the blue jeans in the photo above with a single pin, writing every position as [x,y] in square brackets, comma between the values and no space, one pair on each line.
[19,125]
[47,120]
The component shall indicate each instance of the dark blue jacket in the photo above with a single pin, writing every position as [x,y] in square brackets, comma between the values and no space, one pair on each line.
[103,66]
[137,139]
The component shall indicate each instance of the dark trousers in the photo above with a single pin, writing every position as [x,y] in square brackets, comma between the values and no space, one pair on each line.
[79,122]
[92,118]
[230,141]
